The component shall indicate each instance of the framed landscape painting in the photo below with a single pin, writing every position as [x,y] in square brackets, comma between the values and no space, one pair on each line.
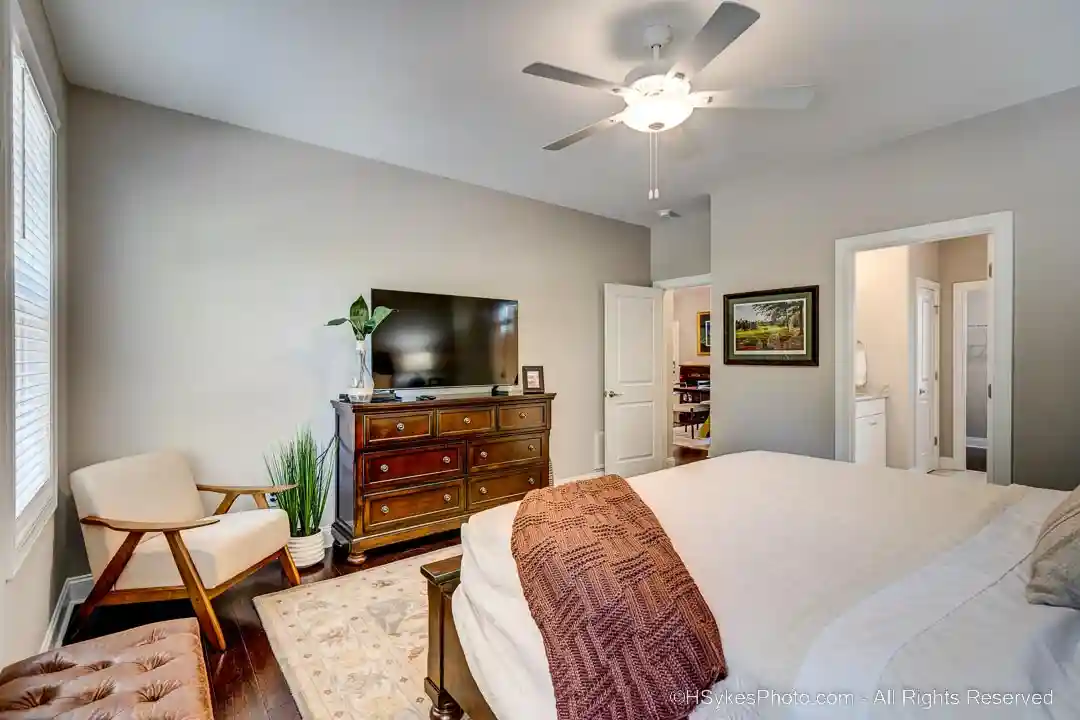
[772,327]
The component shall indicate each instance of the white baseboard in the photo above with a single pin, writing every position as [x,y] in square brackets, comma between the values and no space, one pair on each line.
[669,463]
[75,590]
[599,472]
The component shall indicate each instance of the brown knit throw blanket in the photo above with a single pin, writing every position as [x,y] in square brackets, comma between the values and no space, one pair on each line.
[627,633]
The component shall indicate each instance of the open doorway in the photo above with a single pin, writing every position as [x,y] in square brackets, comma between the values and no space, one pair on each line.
[918,330]
[688,332]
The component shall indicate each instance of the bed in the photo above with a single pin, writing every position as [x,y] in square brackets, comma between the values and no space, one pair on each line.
[839,590]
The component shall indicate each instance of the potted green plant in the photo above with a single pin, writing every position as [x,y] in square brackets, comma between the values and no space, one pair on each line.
[362,323]
[300,463]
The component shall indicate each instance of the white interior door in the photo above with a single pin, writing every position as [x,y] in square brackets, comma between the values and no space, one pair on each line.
[635,401]
[927,374]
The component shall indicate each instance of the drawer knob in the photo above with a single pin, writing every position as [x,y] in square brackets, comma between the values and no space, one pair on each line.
[523,415]
[446,497]
[483,454]
[483,490]
[384,468]
[400,426]
[532,447]
[385,509]
[446,459]
[532,481]
[467,420]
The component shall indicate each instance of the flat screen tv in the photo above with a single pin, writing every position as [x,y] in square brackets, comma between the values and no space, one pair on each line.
[444,341]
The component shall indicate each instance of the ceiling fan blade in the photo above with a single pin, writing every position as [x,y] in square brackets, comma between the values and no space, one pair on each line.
[552,72]
[782,98]
[725,26]
[608,122]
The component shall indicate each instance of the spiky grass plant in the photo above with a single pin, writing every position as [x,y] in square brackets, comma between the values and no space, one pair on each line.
[299,462]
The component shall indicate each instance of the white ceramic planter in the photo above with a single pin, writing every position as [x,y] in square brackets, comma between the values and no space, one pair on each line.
[306,551]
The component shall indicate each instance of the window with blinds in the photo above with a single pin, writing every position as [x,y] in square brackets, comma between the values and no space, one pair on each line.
[32,209]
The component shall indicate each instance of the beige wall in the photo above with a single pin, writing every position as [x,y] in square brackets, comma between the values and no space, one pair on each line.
[680,247]
[779,229]
[962,260]
[209,257]
[688,303]
[26,600]
[881,324]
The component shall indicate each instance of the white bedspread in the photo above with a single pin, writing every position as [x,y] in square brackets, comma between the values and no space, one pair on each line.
[823,577]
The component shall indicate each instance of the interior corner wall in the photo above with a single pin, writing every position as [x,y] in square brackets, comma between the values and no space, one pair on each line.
[688,303]
[208,257]
[681,247]
[780,229]
[882,279]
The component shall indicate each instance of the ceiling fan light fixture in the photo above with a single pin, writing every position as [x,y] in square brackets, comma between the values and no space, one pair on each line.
[658,103]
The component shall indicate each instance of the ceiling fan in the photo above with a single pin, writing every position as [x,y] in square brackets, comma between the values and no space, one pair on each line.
[659,98]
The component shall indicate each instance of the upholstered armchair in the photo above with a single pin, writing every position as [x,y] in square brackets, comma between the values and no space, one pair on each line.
[148,538]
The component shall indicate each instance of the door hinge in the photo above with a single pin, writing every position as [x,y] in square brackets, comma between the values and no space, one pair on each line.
[990,270]
[935,375]
[935,441]
[990,391]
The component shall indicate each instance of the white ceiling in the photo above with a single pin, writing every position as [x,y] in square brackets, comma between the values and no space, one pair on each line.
[436,85]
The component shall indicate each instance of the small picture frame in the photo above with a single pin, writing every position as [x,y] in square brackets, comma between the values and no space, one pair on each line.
[532,379]
[704,333]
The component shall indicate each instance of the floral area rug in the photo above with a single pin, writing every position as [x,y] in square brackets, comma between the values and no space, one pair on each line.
[355,647]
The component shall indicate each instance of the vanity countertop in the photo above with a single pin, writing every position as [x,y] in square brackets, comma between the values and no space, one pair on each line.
[862,397]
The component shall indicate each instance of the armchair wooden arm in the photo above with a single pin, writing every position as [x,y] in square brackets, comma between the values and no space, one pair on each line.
[232,492]
[243,489]
[145,527]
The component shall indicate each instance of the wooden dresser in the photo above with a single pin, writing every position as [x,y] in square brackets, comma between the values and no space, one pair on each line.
[409,469]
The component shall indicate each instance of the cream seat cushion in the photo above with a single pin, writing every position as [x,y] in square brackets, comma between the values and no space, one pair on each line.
[220,551]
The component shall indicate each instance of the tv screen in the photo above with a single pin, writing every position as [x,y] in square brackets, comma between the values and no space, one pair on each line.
[444,341]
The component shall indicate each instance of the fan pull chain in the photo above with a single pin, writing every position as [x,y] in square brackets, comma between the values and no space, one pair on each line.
[654,166]
[650,166]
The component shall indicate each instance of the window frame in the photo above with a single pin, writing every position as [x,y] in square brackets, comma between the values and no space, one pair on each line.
[21,531]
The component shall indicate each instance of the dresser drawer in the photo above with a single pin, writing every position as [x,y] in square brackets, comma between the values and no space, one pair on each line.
[394,467]
[400,426]
[506,452]
[414,506]
[523,417]
[498,488]
[461,421]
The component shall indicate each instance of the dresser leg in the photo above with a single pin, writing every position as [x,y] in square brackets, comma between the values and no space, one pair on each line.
[356,557]
[448,710]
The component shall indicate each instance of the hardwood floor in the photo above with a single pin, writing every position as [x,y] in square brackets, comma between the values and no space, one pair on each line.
[246,680]
[684,455]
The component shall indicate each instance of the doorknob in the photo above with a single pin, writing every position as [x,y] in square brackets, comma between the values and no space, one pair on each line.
[612,393]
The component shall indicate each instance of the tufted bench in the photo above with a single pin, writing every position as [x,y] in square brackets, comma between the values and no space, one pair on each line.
[154,672]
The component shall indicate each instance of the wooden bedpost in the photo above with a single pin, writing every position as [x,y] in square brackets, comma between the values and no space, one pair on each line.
[449,681]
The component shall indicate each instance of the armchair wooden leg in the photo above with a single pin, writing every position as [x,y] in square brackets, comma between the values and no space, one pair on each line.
[106,580]
[292,575]
[196,590]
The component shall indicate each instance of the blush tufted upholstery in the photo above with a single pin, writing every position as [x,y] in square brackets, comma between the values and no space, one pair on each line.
[155,672]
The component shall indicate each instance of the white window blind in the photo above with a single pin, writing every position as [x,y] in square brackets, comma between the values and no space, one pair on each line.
[32,210]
